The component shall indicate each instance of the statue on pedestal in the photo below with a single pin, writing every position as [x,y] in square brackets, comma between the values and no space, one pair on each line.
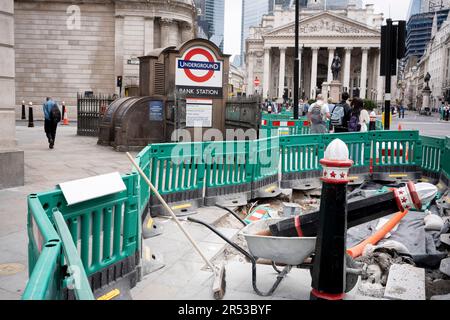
[427,80]
[336,66]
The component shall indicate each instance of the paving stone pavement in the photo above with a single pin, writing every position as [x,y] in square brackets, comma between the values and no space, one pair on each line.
[73,158]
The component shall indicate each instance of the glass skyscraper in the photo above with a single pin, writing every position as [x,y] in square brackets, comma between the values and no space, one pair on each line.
[414,8]
[211,20]
[419,28]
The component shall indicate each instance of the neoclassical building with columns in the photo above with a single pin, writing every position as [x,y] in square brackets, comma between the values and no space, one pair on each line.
[353,33]
[69,46]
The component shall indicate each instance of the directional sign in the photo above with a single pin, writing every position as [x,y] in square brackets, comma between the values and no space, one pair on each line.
[199,73]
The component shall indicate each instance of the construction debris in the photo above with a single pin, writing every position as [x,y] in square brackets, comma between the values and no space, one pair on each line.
[405,282]
[445,266]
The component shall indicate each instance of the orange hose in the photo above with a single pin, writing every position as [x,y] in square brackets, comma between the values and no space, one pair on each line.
[357,250]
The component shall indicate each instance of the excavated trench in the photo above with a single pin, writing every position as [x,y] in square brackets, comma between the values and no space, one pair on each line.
[377,263]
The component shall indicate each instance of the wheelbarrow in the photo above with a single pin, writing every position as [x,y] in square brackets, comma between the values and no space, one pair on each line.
[281,251]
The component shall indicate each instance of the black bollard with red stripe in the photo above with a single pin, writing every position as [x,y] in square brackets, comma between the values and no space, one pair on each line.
[328,274]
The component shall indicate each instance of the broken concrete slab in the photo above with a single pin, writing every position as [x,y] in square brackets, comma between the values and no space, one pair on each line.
[405,282]
[445,266]
[441,297]
[445,238]
[291,209]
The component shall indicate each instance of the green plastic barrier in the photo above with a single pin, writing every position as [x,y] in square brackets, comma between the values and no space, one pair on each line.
[44,255]
[143,161]
[75,268]
[300,156]
[229,171]
[286,127]
[396,155]
[265,174]
[432,155]
[177,171]
[445,163]
[105,231]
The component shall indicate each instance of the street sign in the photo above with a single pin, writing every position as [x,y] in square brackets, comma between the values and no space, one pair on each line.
[257,82]
[199,73]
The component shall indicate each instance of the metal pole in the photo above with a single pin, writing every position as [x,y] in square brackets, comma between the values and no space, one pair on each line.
[388,58]
[329,270]
[296,61]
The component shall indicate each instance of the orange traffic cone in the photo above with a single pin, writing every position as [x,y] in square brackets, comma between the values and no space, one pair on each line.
[66,119]
[399,127]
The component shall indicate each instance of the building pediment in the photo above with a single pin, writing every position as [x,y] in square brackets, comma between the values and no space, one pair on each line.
[325,24]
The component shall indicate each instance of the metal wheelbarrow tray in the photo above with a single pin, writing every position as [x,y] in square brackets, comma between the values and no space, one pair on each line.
[280,250]
[290,252]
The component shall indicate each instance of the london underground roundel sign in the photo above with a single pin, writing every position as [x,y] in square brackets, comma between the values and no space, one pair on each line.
[199,73]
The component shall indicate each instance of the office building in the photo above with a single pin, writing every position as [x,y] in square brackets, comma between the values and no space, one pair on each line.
[211,20]
[419,29]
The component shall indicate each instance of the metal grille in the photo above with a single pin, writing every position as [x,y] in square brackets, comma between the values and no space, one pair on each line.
[89,111]
[159,79]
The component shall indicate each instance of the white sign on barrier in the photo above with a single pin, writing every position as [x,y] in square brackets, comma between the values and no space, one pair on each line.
[91,188]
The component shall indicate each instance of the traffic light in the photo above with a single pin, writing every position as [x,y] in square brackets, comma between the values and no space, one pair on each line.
[119,81]
[393,38]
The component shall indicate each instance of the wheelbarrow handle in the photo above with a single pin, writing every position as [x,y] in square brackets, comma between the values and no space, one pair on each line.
[231,243]
[281,274]
[233,213]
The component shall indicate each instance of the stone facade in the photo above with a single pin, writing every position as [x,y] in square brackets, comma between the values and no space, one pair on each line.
[11,159]
[354,34]
[436,61]
[57,56]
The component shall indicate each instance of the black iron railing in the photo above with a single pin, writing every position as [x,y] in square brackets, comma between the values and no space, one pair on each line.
[90,109]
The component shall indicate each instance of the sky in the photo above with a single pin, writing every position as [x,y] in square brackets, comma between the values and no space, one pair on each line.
[398,10]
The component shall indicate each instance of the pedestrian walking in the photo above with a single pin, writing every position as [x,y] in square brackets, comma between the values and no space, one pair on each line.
[318,114]
[354,124]
[373,121]
[401,112]
[52,116]
[446,112]
[341,115]
[364,120]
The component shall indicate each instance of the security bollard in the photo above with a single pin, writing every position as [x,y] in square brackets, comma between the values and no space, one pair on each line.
[63,110]
[30,116]
[328,274]
[23,111]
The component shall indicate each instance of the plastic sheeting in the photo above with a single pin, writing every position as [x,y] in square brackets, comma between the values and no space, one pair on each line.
[411,232]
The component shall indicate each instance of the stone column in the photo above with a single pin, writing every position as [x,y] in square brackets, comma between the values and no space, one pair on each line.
[165,23]
[281,74]
[148,34]
[174,33]
[186,31]
[331,51]
[363,89]
[380,79]
[348,58]
[11,159]
[250,76]
[315,53]
[266,80]
[119,55]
